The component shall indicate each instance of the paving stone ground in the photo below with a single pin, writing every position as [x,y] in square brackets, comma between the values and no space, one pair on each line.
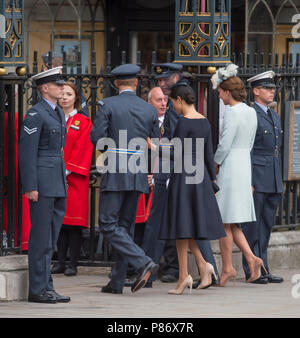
[242,301]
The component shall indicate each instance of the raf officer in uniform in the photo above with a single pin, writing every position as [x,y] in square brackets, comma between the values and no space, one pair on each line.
[57,60]
[43,177]
[266,172]
[120,190]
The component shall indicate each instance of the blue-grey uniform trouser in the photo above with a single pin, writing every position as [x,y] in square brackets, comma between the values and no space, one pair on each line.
[258,233]
[46,217]
[117,213]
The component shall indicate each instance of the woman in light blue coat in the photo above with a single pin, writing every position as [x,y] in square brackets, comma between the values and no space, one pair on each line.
[235,198]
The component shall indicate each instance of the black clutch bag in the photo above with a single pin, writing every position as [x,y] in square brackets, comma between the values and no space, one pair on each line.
[215,187]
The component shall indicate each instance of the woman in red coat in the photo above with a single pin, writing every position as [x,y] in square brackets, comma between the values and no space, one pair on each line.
[78,155]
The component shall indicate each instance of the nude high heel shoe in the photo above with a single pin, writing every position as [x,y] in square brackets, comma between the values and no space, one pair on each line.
[187,282]
[226,276]
[206,281]
[256,269]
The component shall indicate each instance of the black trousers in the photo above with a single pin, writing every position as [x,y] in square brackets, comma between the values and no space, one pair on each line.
[152,245]
[69,238]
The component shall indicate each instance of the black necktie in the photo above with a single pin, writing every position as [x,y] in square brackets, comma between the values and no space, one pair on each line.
[57,112]
[270,115]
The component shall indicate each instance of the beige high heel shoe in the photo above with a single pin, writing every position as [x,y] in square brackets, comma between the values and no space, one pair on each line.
[206,281]
[225,277]
[256,269]
[187,282]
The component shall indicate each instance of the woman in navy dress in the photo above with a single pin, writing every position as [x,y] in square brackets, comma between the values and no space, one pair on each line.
[191,210]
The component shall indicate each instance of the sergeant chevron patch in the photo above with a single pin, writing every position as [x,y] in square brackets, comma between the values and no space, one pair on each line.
[30,131]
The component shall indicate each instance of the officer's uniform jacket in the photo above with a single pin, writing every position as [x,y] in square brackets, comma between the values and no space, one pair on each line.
[41,156]
[266,153]
[125,112]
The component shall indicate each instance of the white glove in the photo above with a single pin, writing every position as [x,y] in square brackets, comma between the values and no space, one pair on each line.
[167,182]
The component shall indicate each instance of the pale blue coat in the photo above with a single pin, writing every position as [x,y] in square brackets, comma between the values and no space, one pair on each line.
[235,198]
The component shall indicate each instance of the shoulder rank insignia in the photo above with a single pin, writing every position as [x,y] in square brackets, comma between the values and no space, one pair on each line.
[30,131]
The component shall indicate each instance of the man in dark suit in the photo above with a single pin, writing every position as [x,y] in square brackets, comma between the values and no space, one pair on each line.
[43,177]
[120,121]
[266,172]
[167,74]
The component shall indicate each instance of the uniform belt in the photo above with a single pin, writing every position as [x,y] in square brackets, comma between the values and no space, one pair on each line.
[275,153]
[124,151]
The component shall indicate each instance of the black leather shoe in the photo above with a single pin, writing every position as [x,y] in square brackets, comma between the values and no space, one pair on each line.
[168,278]
[108,289]
[57,268]
[70,271]
[197,283]
[144,273]
[148,285]
[42,298]
[273,279]
[59,298]
[260,280]
[130,281]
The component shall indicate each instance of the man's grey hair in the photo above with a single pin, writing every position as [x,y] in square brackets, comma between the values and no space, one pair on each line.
[150,93]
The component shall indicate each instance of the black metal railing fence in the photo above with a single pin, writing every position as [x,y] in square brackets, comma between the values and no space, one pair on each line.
[95,84]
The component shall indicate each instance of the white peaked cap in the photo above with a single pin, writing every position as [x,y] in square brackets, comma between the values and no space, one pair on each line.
[50,75]
[265,79]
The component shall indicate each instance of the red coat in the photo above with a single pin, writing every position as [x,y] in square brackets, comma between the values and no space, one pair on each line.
[78,155]
[25,205]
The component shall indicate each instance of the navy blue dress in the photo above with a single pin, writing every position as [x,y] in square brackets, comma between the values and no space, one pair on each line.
[191,210]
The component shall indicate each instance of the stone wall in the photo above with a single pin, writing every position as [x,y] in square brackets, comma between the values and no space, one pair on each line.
[13,277]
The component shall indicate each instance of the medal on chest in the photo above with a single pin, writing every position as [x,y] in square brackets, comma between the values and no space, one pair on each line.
[75,125]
